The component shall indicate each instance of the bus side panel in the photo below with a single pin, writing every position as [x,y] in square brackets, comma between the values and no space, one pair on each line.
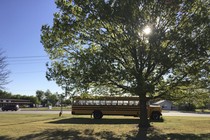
[106,110]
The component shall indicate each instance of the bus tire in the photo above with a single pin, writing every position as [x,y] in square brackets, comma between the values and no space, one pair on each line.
[155,116]
[97,114]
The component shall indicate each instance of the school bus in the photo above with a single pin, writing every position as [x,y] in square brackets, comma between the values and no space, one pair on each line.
[99,106]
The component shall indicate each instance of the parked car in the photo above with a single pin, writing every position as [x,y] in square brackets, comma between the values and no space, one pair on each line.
[10,107]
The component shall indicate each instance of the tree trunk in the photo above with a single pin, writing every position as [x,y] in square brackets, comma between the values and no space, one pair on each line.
[142,134]
[144,121]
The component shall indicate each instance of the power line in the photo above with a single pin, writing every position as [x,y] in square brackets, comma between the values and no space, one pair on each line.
[23,57]
[29,63]
[28,72]
[27,60]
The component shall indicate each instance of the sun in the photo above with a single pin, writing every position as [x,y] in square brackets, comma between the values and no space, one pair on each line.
[147,30]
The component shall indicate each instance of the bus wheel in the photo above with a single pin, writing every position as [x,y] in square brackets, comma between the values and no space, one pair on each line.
[97,114]
[155,116]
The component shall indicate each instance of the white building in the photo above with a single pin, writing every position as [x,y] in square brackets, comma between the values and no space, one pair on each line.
[165,104]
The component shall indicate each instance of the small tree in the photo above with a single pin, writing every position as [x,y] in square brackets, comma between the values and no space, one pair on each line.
[41,96]
[4,72]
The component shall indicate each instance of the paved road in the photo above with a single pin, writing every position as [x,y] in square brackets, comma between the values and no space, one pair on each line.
[177,113]
[168,113]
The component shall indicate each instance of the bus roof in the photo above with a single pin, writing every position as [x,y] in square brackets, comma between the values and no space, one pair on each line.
[106,98]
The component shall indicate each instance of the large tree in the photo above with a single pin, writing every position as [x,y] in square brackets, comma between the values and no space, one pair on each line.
[141,47]
[4,72]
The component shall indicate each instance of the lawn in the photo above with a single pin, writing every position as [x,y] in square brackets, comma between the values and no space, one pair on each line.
[35,127]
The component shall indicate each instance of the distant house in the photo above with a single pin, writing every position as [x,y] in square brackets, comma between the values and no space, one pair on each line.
[165,104]
[58,103]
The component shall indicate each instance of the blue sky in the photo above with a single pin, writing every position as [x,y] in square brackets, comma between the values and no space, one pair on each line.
[20,25]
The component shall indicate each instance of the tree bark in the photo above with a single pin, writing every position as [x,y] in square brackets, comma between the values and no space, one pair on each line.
[142,134]
[144,121]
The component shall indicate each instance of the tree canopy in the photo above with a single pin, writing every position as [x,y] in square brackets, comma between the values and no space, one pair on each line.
[7,95]
[47,98]
[105,43]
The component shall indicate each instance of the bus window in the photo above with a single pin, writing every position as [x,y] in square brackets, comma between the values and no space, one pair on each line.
[114,102]
[125,102]
[108,102]
[89,102]
[96,102]
[131,103]
[82,102]
[120,102]
[136,102]
[76,102]
[102,102]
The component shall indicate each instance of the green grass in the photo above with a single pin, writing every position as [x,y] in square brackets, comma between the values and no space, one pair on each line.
[202,111]
[24,127]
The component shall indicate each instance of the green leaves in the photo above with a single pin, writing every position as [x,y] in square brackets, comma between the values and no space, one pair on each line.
[98,43]
[101,44]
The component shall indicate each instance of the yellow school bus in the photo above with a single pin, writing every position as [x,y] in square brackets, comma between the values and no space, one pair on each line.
[99,106]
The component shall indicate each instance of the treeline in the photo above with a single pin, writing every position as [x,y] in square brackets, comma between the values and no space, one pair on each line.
[7,95]
[47,98]
[43,98]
